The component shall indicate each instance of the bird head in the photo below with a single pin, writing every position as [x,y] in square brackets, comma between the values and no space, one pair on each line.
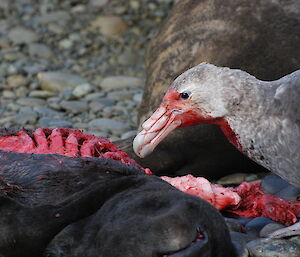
[195,97]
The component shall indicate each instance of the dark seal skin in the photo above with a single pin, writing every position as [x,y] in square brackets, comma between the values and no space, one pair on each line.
[259,37]
[53,205]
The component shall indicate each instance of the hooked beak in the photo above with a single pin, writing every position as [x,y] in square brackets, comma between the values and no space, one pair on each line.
[155,129]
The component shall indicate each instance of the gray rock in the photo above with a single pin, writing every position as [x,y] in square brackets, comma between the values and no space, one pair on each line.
[8,94]
[120,95]
[128,57]
[273,248]
[65,43]
[33,68]
[56,28]
[50,122]
[100,104]
[74,106]
[60,124]
[54,103]
[45,111]
[80,125]
[41,94]
[272,184]
[256,224]
[108,125]
[82,90]
[16,81]
[67,94]
[58,81]
[26,109]
[290,193]
[94,96]
[270,228]
[5,120]
[14,107]
[295,239]
[98,133]
[232,179]
[29,101]
[40,50]
[20,35]
[25,118]
[54,17]
[109,25]
[120,82]
[97,3]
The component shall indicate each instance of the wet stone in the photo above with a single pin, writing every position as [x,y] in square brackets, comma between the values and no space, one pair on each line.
[108,125]
[20,35]
[53,17]
[40,50]
[273,248]
[58,81]
[74,106]
[255,225]
[120,95]
[120,82]
[15,81]
[295,239]
[8,94]
[97,3]
[29,101]
[45,111]
[109,25]
[100,104]
[50,122]
[272,184]
[41,94]
[290,193]
[82,90]
[232,179]
[25,118]
[94,96]
[270,228]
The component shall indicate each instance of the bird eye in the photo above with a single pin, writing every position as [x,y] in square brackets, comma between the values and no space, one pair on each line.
[185,95]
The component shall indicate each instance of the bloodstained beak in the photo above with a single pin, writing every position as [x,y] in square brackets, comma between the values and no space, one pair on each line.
[155,129]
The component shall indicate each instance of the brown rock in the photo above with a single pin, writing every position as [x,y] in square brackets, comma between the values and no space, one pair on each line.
[109,25]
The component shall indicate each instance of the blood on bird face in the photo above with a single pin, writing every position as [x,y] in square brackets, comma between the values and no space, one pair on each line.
[188,112]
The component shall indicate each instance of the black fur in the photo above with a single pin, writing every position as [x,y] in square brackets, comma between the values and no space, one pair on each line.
[51,205]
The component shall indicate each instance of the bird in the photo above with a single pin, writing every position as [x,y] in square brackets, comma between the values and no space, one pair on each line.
[260,118]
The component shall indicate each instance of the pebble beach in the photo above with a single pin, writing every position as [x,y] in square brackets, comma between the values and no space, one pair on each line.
[77,64]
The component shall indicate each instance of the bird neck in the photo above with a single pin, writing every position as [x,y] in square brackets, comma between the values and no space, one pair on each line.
[232,137]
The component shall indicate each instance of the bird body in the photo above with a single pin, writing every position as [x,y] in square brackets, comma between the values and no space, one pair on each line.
[260,118]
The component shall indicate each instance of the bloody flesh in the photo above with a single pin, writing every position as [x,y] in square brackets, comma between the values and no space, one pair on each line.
[63,141]
[246,200]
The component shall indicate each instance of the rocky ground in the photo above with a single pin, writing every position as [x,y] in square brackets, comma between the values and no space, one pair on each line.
[76,63]
[80,64]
